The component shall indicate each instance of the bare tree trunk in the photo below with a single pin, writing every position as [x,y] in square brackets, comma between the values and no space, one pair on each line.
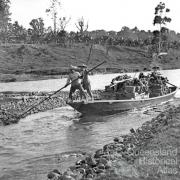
[55,23]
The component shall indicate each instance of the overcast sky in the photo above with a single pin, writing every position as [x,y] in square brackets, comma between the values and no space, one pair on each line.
[101,14]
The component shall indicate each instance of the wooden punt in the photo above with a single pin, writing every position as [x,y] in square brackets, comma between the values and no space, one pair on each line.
[102,107]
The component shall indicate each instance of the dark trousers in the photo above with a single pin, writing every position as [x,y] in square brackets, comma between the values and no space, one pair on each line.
[77,87]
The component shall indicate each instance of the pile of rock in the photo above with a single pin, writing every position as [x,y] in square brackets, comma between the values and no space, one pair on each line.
[125,148]
[87,168]
[10,112]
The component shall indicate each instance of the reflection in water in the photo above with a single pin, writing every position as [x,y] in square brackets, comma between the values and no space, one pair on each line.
[92,132]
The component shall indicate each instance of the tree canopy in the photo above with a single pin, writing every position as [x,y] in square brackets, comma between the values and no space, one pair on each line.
[161,19]
[4,17]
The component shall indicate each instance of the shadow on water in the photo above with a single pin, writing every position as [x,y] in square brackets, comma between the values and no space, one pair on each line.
[92,132]
[101,118]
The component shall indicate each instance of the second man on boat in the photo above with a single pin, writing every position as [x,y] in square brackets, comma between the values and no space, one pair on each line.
[79,79]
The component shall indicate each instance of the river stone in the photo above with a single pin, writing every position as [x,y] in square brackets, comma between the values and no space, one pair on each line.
[82,170]
[94,169]
[89,171]
[121,145]
[129,150]
[98,153]
[164,118]
[98,171]
[57,171]
[84,166]
[111,146]
[90,176]
[77,175]
[119,150]
[106,156]
[116,139]
[73,168]
[105,147]
[103,161]
[54,176]
[51,175]
[101,166]
[67,177]
[80,162]
[68,173]
[132,130]
[90,161]
[108,165]
[118,156]
[112,157]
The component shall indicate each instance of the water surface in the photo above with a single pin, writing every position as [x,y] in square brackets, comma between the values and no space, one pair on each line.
[48,140]
[98,81]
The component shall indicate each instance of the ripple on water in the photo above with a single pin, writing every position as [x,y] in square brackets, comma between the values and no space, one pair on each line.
[37,143]
[28,132]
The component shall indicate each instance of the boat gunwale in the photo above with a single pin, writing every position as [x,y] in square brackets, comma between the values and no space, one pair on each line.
[126,100]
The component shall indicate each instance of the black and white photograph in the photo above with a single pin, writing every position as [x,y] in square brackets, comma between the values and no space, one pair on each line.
[89,90]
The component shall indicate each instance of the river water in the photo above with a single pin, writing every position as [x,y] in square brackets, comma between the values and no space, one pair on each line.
[52,139]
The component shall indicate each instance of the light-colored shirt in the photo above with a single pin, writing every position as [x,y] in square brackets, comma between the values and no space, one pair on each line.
[85,79]
[73,78]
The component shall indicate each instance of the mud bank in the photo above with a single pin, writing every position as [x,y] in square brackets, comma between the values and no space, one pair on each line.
[149,152]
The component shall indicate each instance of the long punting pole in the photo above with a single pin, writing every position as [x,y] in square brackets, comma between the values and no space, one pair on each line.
[36,104]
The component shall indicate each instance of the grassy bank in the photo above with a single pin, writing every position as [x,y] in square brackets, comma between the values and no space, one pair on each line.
[149,152]
[21,62]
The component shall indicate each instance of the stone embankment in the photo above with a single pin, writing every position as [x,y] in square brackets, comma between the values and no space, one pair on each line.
[14,105]
[123,158]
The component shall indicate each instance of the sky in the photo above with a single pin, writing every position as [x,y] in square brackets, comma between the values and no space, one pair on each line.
[100,14]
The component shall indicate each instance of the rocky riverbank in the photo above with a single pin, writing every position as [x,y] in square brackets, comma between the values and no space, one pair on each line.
[149,152]
[13,105]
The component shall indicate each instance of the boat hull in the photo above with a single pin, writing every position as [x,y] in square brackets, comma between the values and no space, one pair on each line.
[114,106]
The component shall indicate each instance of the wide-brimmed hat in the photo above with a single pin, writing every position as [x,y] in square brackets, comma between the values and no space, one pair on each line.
[71,67]
[82,66]
[155,67]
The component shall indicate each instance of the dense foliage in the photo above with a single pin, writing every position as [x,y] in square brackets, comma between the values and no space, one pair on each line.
[37,33]
[160,19]
[4,18]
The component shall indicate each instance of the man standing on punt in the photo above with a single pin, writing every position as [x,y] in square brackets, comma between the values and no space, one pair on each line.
[74,78]
[85,80]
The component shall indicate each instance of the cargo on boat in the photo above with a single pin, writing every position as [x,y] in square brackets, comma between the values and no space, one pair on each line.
[126,93]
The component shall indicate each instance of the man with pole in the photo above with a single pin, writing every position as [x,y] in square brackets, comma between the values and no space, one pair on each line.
[46,98]
[74,78]
[85,80]
[85,75]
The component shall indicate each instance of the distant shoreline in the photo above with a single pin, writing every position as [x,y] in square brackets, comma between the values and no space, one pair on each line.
[26,62]
[4,78]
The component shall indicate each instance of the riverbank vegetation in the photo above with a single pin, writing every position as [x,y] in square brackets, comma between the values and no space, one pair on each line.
[35,62]
[41,53]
